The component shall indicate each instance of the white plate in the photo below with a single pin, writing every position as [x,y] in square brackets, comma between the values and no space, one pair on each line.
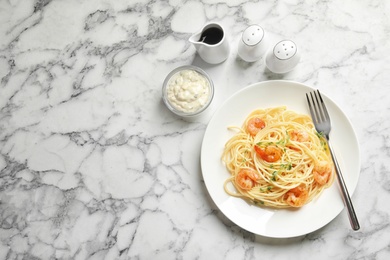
[277,223]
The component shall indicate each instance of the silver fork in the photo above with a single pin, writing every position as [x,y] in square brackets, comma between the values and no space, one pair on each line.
[322,123]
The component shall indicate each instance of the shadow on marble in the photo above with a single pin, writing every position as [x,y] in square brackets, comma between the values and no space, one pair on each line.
[278,241]
[269,75]
[199,62]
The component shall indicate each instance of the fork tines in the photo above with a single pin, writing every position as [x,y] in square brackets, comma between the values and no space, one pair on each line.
[317,107]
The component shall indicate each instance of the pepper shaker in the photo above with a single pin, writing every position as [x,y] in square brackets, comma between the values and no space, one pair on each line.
[283,57]
[253,43]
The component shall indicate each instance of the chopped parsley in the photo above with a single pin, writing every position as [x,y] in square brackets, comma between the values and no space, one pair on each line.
[274,175]
[258,202]
[287,166]
[264,189]
[321,136]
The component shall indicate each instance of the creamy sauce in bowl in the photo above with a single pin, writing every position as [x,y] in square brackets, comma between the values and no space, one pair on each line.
[187,91]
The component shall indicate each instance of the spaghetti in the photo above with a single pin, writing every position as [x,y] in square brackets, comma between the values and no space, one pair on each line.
[277,159]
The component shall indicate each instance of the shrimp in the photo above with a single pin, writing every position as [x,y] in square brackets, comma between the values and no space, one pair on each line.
[246,178]
[321,172]
[254,125]
[299,135]
[297,196]
[270,153]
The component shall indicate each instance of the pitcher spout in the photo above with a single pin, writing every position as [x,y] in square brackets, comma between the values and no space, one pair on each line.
[195,39]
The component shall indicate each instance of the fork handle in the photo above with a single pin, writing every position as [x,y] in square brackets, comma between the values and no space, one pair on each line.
[347,199]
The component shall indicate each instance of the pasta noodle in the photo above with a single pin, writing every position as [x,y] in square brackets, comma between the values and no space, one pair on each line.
[277,159]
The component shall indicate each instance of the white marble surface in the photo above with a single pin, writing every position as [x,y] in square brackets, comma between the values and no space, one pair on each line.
[93,166]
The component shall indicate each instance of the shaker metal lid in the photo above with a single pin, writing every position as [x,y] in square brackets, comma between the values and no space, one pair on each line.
[252,35]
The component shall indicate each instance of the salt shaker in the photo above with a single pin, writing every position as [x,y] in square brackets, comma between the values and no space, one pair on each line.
[283,57]
[253,43]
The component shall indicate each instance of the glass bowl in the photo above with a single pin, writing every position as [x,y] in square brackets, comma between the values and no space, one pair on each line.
[187,91]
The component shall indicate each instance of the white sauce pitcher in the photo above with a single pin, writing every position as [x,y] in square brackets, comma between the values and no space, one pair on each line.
[211,43]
